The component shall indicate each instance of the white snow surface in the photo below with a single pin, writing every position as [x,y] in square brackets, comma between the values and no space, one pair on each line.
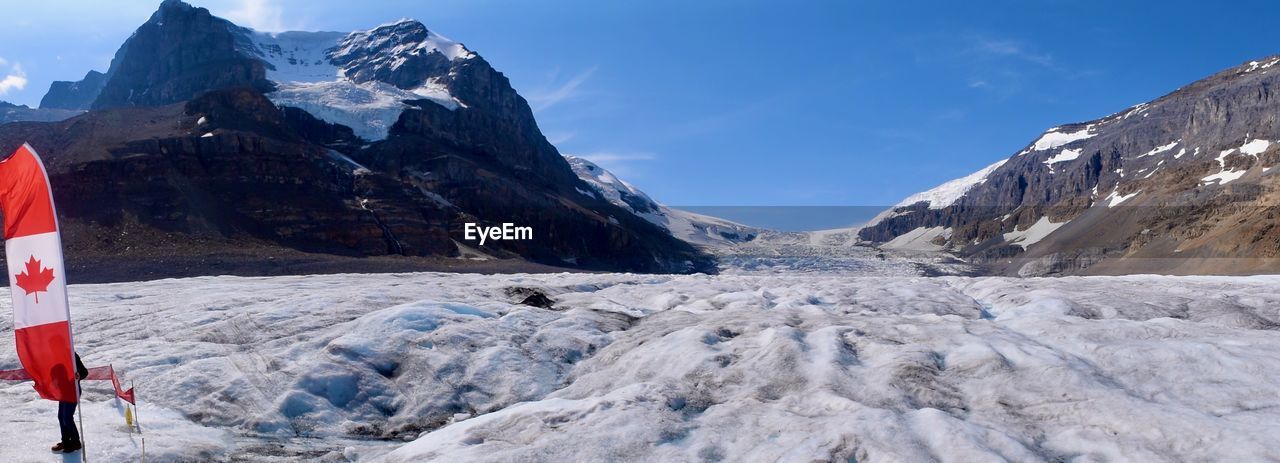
[1161,149]
[307,79]
[941,196]
[1255,147]
[1055,138]
[1064,156]
[812,367]
[1033,234]
[948,193]
[1115,198]
[377,38]
[1224,177]
[919,239]
[1255,65]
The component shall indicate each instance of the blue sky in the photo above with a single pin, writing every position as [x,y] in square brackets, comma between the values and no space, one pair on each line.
[821,103]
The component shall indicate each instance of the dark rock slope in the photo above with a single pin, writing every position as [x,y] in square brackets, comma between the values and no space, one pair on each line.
[77,95]
[1184,184]
[179,53]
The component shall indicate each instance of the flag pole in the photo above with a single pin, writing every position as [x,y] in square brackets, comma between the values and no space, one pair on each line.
[84,451]
[75,366]
[137,419]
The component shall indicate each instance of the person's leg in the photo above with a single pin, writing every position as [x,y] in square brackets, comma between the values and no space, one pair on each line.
[67,421]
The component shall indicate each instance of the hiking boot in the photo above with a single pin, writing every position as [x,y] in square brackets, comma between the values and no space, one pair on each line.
[67,447]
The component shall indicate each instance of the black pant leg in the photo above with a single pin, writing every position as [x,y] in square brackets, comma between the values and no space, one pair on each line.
[67,421]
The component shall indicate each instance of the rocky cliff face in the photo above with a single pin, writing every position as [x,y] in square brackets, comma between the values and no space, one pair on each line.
[377,142]
[78,95]
[231,165]
[1183,184]
[181,52]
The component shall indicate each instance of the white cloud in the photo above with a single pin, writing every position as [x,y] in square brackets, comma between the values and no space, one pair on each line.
[607,157]
[262,15]
[1010,48]
[558,138]
[2,61]
[16,80]
[547,99]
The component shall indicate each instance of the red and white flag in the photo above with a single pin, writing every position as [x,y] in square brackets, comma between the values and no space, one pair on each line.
[33,248]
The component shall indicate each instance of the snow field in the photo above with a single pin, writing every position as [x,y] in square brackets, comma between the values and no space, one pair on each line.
[784,367]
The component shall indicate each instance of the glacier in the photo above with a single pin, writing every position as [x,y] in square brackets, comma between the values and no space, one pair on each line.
[302,67]
[791,366]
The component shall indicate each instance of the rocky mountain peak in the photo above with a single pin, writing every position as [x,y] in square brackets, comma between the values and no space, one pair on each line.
[381,141]
[74,95]
[403,53]
[179,53]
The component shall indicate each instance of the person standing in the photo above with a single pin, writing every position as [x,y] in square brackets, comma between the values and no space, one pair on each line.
[67,416]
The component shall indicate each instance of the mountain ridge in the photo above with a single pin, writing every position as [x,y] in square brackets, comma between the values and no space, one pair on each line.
[196,103]
[1122,192]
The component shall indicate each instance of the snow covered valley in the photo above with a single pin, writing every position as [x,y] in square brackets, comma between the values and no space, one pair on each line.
[780,367]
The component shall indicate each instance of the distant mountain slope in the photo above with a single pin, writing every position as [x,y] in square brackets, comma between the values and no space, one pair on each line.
[1182,184]
[377,142]
[78,95]
[10,112]
[688,226]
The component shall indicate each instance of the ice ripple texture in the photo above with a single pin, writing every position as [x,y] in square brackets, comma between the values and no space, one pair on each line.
[812,367]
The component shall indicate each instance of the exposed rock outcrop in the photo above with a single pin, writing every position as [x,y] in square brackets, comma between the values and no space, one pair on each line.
[1183,184]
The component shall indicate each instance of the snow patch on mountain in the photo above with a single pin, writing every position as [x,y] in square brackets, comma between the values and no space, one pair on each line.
[919,239]
[1064,156]
[397,47]
[1250,148]
[941,196]
[1160,149]
[948,193]
[1055,138]
[1255,147]
[1256,65]
[1033,234]
[688,226]
[1224,177]
[301,65]
[370,109]
[1115,198]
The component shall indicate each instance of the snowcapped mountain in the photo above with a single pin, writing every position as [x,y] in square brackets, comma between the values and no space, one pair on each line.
[946,194]
[381,141]
[693,228]
[1182,184]
[361,79]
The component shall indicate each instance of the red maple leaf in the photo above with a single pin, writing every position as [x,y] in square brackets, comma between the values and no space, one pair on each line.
[34,280]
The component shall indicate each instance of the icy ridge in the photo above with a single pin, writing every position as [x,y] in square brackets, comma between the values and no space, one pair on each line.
[302,65]
[688,226]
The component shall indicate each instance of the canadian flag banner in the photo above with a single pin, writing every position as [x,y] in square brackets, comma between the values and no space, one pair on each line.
[37,280]
[107,373]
